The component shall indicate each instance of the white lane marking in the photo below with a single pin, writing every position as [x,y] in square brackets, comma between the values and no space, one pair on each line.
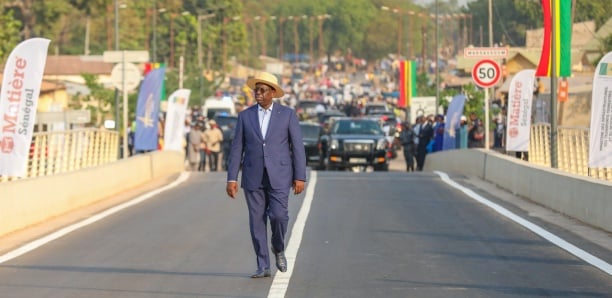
[64,231]
[554,239]
[281,279]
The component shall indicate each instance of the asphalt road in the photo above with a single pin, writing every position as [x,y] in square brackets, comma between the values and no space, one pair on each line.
[382,234]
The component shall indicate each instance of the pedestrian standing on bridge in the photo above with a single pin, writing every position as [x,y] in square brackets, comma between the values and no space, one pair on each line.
[213,137]
[406,138]
[193,147]
[425,129]
[268,145]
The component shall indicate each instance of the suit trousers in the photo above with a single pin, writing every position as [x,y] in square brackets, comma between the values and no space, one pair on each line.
[264,203]
[421,154]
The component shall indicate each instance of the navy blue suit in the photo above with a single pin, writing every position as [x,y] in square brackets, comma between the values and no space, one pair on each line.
[269,167]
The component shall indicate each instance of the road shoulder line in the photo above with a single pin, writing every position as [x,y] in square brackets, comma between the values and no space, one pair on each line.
[561,243]
[32,245]
[281,280]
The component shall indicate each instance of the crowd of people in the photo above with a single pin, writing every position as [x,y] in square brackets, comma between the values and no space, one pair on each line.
[427,135]
[204,142]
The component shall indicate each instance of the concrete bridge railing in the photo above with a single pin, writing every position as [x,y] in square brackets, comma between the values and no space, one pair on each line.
[583,198]
[31,201]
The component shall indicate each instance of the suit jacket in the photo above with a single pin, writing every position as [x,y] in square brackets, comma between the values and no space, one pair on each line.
[281,153]
[425,134]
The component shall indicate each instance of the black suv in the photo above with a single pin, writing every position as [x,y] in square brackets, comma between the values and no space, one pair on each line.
[311,134]
[357,143]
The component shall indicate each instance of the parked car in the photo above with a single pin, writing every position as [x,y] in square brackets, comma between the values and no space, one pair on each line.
[357,143]
[324,117]
[213,106]
[391,126]
[308,109]
[311,134]
[375,107]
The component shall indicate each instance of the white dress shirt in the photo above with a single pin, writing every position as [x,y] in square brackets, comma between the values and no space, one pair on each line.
[264,119]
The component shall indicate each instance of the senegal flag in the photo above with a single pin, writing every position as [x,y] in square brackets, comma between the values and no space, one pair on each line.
[563,38]
[407,83]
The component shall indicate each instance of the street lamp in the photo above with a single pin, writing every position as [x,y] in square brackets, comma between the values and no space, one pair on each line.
[225,21]
[321,18]
[262,34]
[409,43]
[437,61]
[154,30]
[280,34]
[399,29]
[201,17]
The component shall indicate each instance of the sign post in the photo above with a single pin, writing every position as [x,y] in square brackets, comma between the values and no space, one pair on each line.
[126,77]
[486,73]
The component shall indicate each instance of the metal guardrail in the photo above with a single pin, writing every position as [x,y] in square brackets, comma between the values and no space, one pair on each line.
[60,152]
[572,149]
[65,151]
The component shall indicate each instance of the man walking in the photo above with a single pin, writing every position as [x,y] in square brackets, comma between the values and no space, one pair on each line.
[425,135]
[213,137]
[268,145]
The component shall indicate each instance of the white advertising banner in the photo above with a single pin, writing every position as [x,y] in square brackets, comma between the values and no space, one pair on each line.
[23,73]
[520,96]
[174,131]
[600,134]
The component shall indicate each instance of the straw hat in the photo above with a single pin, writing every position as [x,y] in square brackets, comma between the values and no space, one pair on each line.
[268,79]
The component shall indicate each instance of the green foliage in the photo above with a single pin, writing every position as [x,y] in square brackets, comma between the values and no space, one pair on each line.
[511,18]
[348,24]
[475,101]
[100,101]
[425,86]
[9,34]
[359,27]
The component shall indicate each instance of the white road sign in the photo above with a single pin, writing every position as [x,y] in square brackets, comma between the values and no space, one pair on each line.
[132,76]
[491,52]
[486,73]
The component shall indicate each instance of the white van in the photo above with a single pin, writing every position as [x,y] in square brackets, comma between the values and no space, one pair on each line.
[217,106]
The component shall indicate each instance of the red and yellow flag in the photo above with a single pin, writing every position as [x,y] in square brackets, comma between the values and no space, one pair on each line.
[407,83]
[563,38]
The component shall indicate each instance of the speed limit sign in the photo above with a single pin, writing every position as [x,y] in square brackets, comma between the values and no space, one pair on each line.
[486,73]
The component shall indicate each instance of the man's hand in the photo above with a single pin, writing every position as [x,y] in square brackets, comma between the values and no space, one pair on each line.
[298,186]
[232,189]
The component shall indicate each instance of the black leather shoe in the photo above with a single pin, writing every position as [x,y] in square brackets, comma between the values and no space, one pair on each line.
[281,262]
[261,273]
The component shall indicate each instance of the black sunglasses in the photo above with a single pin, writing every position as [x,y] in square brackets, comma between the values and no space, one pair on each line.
[262,90]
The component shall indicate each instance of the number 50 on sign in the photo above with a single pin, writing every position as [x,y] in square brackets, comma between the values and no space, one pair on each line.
[486,73]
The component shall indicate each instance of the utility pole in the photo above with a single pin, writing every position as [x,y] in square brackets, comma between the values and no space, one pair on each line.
[117,89]
[280,33]
[154,30]
[436,62]
[488,92]
[553,90]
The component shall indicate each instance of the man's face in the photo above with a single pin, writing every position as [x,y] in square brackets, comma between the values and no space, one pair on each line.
[263,94]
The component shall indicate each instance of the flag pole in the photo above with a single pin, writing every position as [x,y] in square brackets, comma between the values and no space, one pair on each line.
[553,87]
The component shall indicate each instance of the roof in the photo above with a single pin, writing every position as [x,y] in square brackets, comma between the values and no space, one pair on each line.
[582,33]
[532,55]
[46,86]
[604,31]
[76,65]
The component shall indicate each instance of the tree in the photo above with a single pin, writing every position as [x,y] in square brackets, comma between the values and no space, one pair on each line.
[100,100]
[474,101]
[9,34]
